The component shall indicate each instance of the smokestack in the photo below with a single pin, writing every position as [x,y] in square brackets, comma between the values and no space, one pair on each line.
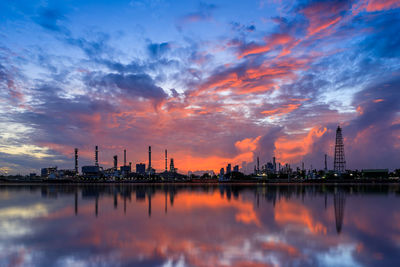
[166,161]
[124,157]
[76,161]
[326,164]
[258,164]
[115,162]
[96,156]
[149,158]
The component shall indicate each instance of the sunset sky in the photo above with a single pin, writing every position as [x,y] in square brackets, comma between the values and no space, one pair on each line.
[214,82]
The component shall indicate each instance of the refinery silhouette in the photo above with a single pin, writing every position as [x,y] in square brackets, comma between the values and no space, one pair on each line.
[270,172]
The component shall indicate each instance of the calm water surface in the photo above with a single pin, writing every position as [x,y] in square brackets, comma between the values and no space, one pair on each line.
[186,225]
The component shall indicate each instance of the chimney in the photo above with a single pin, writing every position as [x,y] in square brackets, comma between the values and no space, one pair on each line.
[166,161]
[115,162]
[124,157]
[326,164]
[96,156]
[76,161]
[149,158]
[258,164]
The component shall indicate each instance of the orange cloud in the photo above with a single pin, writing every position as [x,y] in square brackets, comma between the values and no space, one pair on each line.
[248,144]
[378,5]
[317,28]
[322,15]
[360,110]
[270,43]
[282,69]
[282,110]
[292,148]
[378,100]
[300,99]
[255,79]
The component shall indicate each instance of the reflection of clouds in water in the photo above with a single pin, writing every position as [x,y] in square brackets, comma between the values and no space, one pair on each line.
[98,260]
[172,263]
[342,255]
[13,228]
[5,195]
[28,212]
[13,220]
[18,255]
[15,224]
[203,227]
[292,213]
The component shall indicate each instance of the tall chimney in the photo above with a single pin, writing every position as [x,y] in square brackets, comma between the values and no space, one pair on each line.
[166,164]
[96,156]
[115,162]
[326,164]
[258,164]
[124,157]
[149,158]
[76,161]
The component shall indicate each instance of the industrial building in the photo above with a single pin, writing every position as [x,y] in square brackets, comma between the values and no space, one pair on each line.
[141,168]
[93,171]
[375,173]
[236,168]
[228,169]
[45,172]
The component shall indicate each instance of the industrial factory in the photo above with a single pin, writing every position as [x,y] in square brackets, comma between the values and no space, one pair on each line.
[270,171]
[116,173]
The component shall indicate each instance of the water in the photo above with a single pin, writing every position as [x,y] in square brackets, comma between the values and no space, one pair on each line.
[195,225]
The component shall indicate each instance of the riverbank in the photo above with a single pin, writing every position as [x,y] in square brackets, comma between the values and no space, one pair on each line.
[253,181]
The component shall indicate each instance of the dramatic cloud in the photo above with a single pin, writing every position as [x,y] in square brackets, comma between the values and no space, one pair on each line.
[214,85]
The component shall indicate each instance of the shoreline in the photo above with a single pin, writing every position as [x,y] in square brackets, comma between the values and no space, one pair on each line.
[267,182]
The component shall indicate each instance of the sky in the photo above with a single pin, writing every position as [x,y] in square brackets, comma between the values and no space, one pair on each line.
[214,82]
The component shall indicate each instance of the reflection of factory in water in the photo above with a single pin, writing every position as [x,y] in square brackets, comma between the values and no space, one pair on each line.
[95,193]
[338,203]
[272,194]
